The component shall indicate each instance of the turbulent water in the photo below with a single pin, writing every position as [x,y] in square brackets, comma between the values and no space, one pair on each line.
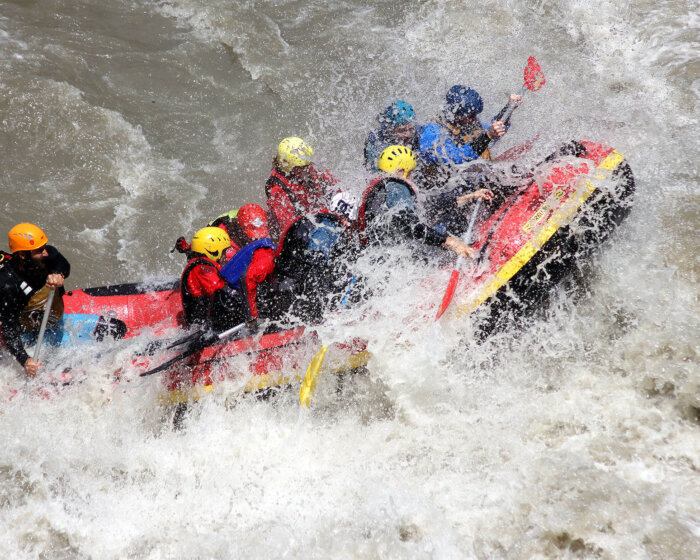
[126,124]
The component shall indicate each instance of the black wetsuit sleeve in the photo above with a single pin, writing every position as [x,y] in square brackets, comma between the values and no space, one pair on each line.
[482,142]
[56,263]
[13,341]
[408,225]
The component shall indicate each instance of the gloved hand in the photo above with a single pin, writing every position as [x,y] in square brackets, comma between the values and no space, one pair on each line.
[181,246]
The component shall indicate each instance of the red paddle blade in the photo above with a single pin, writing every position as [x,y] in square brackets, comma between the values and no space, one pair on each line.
[449,292]
[534,77]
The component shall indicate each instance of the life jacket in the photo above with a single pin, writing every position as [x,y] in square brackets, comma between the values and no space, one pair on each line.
[236,268]
[33,312]
[304,197]
[374,200]
[196,308]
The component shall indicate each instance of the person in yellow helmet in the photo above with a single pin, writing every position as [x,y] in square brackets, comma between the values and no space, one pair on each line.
[387,214]
[207,299]
[295,187]
[27,274]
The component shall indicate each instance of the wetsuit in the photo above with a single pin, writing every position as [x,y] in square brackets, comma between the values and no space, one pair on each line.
[388,216]
[16,289]
[310,274]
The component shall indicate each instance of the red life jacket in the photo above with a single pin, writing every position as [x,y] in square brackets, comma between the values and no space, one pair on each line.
[196,306]
[289,198]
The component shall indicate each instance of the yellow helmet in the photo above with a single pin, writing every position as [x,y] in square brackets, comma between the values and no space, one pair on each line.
[293,152]
[211,242]
[26,237]
[397,157]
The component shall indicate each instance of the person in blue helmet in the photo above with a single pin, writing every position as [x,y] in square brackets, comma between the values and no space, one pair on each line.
[458,135]
[397,126]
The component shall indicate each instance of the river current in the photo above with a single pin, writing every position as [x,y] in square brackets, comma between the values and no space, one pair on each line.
[126,124]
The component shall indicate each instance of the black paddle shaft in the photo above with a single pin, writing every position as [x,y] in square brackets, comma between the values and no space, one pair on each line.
[202,342]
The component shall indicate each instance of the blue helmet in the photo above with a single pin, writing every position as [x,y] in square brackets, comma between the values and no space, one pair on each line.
[461,100]
[399,112]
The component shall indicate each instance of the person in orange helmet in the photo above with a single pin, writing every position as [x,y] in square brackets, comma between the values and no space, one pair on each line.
[27,274]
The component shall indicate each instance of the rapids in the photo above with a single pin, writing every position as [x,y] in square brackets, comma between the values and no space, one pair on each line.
[126,124]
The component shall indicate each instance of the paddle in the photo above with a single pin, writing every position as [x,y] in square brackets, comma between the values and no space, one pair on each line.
[308,386]
[44,322]
[454,277]
[533,79]
[204,340]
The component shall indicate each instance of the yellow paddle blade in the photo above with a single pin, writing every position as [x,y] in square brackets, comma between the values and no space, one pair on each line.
[308,386]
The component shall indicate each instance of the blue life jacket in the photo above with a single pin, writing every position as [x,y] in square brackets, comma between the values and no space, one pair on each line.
[239,263]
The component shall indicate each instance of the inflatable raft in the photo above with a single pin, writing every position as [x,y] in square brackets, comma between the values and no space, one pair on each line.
[567,207]
[545,231]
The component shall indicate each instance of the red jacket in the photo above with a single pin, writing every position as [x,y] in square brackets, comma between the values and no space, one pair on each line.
[261,265]
[290,198]
[200,281]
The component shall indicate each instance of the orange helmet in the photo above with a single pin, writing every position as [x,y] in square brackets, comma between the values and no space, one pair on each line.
[253,221]
[26,237]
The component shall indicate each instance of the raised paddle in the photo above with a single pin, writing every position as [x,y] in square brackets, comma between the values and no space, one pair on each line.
[204,340]
[44,322]
[533,79]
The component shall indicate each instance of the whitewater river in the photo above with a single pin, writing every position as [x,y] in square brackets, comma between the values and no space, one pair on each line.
[128,123]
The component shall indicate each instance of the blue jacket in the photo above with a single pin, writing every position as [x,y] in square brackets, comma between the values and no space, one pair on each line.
[436,145]
[239,263]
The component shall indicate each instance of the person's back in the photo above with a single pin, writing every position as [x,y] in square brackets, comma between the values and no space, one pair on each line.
[388,213]
[255,261]
[310,270]
[205,292]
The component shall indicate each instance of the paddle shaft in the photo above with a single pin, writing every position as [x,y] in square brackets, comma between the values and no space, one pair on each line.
[467,237]
[196,346]
[511,107]
[44,322]
[454,277]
